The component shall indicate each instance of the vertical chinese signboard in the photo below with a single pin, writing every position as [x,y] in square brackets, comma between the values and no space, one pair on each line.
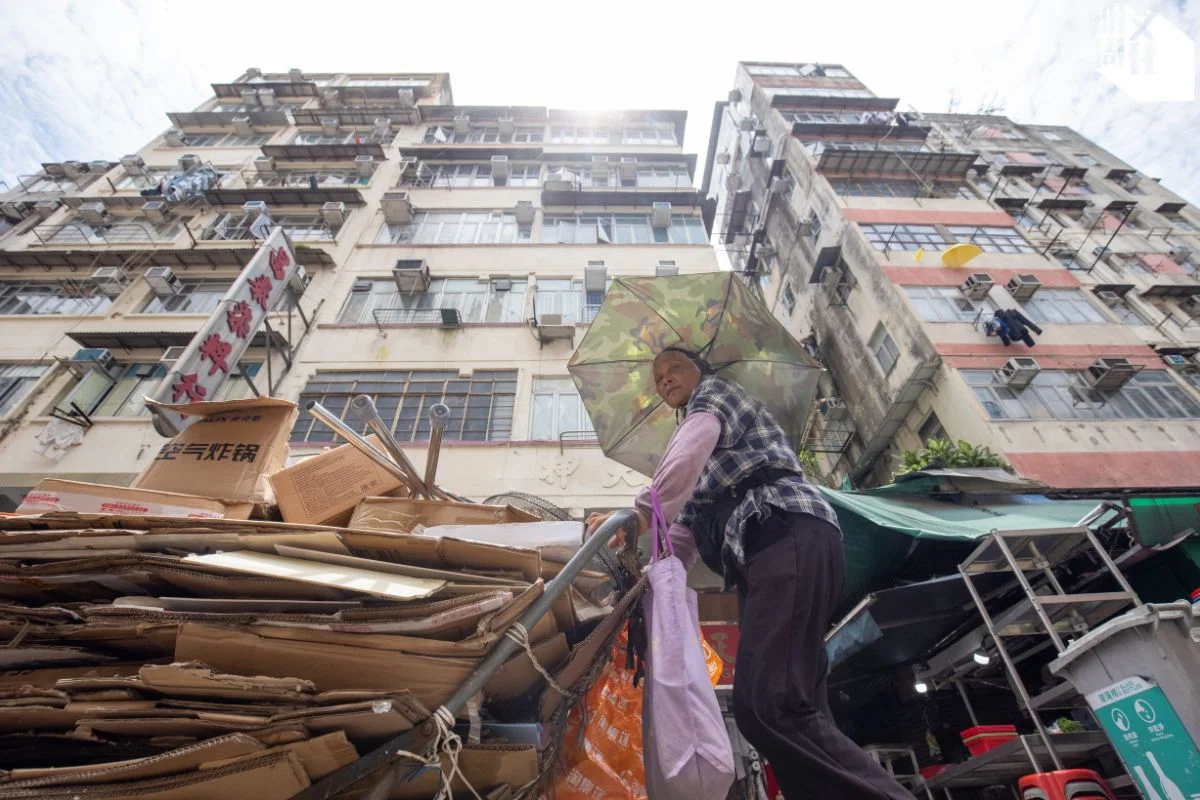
[1150,738]
[214,352]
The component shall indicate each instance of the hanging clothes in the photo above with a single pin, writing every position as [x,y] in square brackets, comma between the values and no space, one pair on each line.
[1016,327]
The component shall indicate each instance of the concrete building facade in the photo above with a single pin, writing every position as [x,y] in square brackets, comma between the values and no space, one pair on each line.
[453,254]
[845,209]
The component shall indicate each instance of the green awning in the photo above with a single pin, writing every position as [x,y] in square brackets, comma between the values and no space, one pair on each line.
[1158,520]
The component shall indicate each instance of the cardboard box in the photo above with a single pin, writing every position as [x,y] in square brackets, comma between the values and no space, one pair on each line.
[228,452]
[400,514]
[96,498]
[325,489]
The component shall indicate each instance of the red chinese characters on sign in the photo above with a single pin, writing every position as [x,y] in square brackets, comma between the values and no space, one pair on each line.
[279,262]
[188,388]
[723,637]
[216,350]
[260,291]
[238,317]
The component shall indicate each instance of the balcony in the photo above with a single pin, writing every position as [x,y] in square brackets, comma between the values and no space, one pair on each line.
[280,88]
[314,117]
[852,123]
[275,196]
[214,258]
[267,117]
[857,103]
[131,231]
[929,165]
[324,152]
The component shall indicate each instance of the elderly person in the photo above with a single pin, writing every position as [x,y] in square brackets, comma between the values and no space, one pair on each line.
[731,482]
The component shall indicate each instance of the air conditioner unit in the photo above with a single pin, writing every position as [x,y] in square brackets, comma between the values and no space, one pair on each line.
[748,124]
[1100,251]
[781,185]
[723,158]
[600,166]
[157,211]
[1109,298]
[253,72]
[189,162]
[525,212]
[560,180]
[499,166]
[15,210]
[249,97]
[1131,180]
[1089,217]
[330,96]
[1190,305]
[833,409]
[735,95]
[94,213]
[1022,287]
[1178,362]
[595,277]
[462,123]
[551,328]
[411,275]
[506,126]
[75,169]
[295,75]
[660,216]
[44,208]
[133,164]
[397,208]
[265,165]
[761,146]
[733,181]
[334,213]
[1181,254]
[163,281]
[329,126]
[255,209]
[364,165]
[299,280]
[1017,373]
[54,169]
[175,138]
[382,127]
[267,97]
[100,357]
[665,269]
[976,286]
[502,283]
[242,127]
[629,165]
[406,98]
[1108,374]
[172,354]
[111,281]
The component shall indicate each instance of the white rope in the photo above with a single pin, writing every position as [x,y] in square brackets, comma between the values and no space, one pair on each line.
[520,635]
[447,743]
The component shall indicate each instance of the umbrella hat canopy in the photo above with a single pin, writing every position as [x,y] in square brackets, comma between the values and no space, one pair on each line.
[714,314]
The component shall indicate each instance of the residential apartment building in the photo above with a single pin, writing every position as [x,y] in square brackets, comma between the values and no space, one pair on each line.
[845,208]
[452,254]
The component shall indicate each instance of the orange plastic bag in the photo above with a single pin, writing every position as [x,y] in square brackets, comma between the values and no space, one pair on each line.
[713,661]
[606,762]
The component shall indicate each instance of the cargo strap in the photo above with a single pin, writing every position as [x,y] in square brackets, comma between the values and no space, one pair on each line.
[520,636]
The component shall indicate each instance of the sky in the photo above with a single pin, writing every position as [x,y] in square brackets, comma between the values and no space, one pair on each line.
[93,79]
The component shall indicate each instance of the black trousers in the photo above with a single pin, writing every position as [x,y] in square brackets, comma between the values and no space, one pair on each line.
[791,586]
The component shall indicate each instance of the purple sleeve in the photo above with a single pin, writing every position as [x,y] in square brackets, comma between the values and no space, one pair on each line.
[677,474]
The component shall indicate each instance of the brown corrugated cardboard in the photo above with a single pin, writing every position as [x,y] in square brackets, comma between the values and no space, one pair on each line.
[394,568]
[323,755]
[326,488]
[401,514]
[229,451]
[485,767]
[431,680]
[97,498]
[350,579]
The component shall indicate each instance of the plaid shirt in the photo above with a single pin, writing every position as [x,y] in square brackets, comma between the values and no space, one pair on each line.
[750,440]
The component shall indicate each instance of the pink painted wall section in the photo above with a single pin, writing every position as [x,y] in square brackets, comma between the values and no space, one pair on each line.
[1020,157]
[1121,470]
[924,216]
[1161,263]
[1053,277]
[991,354]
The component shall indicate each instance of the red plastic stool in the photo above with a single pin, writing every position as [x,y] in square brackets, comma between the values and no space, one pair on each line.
[1067,784]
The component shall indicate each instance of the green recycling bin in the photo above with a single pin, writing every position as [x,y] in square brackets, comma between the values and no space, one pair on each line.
[1140,673]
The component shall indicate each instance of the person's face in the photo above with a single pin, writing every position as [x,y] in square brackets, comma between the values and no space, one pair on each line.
[675,378]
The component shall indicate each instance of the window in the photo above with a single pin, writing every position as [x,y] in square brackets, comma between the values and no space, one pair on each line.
[904,237]
[197,297]
[461,175]
[120,230]
[621,229]
[789,297]
[528,135]
[457,227]
[51,297]
[476,301]
[560,296]
[867,187]
[16,381]
[573,135]
[225,140]
[1054,394]
[398,82]
[478,134]
[825,117]
[992,239]
[1181,223]
[121,392]
[815,148]
[836,72]
[812,91]
[946,304]
[558,412]
[349,136]
[814,227]
[1084,158]
[307,178]
[1023,220]
[1061,306]
[481,406]
[1050,136]
[526,176]
[997,132]
[1128,314]
[885,350]
[48,183]
[663,177]
[655,135]
[300,227]
[148,178]
[763,69]
[931,428]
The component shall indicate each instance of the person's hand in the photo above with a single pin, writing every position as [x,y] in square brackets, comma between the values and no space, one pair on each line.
[598,518]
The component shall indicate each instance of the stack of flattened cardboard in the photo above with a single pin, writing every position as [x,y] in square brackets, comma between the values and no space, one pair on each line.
[162,643]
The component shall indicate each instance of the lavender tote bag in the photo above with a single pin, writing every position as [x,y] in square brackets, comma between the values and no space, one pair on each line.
[686,746]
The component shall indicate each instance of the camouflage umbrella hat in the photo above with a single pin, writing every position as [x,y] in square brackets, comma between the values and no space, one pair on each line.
[714,314]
